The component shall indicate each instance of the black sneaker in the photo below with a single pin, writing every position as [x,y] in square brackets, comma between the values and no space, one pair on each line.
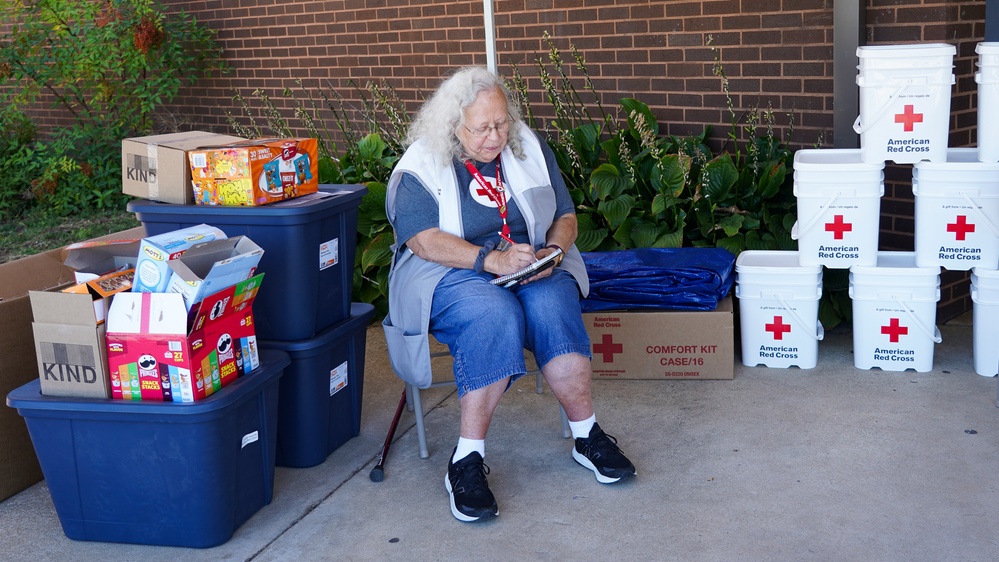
[466,484]
[599,452]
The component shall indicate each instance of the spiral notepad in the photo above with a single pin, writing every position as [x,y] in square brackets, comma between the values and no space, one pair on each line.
[544,263]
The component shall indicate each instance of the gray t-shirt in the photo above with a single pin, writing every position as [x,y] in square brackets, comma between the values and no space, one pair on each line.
[417,210]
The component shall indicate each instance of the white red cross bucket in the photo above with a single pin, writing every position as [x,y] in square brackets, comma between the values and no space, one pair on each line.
[957,211]
[985,320]
[904,101]
[839,207]
[987,78]
[778,309]
[894,313]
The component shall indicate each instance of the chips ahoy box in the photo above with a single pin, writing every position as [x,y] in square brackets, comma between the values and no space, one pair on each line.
[157,351]
[254,172]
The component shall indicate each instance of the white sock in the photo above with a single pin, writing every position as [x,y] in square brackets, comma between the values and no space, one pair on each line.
[581,429]
[468,446]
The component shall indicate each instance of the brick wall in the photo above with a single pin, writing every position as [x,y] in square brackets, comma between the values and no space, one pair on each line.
[776,54]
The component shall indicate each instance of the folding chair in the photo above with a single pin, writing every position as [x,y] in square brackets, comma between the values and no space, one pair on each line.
[415,405]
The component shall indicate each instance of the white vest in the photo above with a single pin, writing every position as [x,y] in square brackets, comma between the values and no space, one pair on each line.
[412,280]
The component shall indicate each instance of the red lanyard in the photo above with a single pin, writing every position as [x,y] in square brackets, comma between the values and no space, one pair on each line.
[495,194]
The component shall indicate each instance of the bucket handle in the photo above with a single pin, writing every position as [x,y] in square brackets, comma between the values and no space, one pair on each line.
[819,332]
[981,215]
[861,129]
[797,232]
[934,335]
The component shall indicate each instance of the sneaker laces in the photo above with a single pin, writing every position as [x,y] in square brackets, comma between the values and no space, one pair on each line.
[471,477]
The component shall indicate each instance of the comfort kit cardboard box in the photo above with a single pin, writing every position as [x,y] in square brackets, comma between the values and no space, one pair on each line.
[255,172]
[212,266]
[156,351]
[18,363]
[670,344]
[156,167]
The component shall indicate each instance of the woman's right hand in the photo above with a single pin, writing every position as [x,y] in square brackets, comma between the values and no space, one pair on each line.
[512,260]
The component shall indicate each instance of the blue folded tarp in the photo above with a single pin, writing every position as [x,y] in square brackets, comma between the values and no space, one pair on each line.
[658,278]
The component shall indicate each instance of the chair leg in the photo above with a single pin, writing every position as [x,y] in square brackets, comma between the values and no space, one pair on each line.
[541,380]
[421,430]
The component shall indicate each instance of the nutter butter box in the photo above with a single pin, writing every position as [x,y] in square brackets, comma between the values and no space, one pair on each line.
[664,345]
[255,172]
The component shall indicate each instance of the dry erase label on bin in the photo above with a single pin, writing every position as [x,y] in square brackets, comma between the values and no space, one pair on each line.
[250,438]
[338,378]
[329,253]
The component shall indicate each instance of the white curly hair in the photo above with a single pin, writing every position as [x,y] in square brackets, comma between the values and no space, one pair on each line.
[438,119]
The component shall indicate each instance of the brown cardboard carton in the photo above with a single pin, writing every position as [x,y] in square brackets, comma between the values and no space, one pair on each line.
[18,364]
[156,167]
[663,345]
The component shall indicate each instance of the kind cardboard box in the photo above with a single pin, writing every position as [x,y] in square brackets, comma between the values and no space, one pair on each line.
[255,172]
[18,363]
[156,351]
[663,345]
[156,167]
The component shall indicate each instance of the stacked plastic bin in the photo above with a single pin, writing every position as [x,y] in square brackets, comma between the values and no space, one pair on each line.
[303,308]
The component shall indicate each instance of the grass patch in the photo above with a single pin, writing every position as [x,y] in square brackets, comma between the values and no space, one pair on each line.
[35,233]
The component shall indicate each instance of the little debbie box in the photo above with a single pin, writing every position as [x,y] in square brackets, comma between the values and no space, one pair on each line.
[157,351]
[255,172]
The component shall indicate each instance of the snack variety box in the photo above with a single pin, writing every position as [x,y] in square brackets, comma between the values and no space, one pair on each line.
[152,274]
[156,351]
[255,172]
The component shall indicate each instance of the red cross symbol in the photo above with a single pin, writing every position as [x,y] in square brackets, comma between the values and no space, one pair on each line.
[490,194]
[907,117]
[961,227]
[778,327]
[838,227]
[894,330]
[607,348]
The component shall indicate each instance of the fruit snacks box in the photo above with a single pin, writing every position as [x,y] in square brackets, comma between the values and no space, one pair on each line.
[255,172]
[157,351]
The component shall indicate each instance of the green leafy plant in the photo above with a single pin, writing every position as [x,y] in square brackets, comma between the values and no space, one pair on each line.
[108,65]
[635,188]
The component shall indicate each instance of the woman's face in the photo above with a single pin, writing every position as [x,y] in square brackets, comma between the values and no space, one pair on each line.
[486,123]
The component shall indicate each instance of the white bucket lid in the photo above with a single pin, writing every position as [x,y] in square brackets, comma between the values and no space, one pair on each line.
[897,268]
[987,48]
[959,159]
[985,278]
[834,160]
[783,262]
[908,51]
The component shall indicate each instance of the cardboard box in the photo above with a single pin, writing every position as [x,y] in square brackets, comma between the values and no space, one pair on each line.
[152,274]
[69,344]
[255,172]
[212,266]
[101,288]
[94,258]
[155,352]
[18,361]
[156,167]
[663,344]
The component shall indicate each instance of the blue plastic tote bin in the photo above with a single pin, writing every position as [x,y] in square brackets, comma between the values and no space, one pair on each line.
[320,405]
[159,473]
[309,245]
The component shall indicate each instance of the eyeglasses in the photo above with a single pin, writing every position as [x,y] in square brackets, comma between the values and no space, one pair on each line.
[483,132]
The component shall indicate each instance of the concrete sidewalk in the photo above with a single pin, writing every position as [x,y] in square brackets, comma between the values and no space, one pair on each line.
[832,463]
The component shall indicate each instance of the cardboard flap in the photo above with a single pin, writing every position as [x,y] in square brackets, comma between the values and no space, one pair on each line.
[37,272]
[62,308]
[101,256]
[201,259]
[151,313]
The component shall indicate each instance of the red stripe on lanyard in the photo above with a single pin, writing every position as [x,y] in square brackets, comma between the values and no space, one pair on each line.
[495,194]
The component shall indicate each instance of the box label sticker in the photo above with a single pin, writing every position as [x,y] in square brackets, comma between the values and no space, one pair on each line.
[250,438]
[338,378]
[329,253]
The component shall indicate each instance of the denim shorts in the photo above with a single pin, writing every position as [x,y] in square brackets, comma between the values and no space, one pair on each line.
[487,327]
